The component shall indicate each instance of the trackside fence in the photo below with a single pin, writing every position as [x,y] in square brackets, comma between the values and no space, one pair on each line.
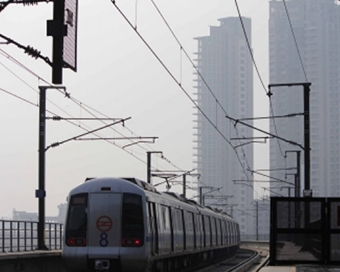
[305,230]
[16,236]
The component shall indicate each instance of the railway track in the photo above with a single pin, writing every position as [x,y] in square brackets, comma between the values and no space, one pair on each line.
[250,260]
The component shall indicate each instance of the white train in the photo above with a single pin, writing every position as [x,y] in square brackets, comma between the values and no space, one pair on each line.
[124,224]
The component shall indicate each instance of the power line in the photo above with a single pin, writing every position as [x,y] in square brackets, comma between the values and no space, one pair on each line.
[178,82]
[257,70]
[249,47]
[295,41]
[8,56]
[81,105]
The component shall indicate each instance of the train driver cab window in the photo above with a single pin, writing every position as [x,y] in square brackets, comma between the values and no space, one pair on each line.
[76,224]
[132,221]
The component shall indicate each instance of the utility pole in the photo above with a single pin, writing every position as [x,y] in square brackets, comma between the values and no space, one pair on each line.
[297,175]
[201,196]
[149,164]
[257,221]
[306,90]
[184,184]
[41,193]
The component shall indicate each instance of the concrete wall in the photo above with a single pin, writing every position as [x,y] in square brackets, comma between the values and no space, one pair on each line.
[37,261]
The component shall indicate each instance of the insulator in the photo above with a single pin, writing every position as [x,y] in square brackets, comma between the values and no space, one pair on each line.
[56,118]
[55,144]
[32,52]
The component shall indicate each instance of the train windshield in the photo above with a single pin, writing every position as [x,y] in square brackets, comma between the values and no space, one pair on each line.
[132,220]
[76,224]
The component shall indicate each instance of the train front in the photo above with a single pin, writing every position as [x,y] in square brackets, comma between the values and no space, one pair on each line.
[105,227]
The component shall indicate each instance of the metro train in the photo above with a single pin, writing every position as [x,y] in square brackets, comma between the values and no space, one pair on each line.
[125,224]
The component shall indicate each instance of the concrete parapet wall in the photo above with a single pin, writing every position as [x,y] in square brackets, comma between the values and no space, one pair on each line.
[37,261]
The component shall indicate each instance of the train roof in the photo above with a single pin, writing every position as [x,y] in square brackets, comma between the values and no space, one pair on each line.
[150,188]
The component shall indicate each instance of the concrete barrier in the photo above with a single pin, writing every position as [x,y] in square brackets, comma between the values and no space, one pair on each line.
[37,261]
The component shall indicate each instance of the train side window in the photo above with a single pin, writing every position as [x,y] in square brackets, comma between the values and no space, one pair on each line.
[194,223]
[219,232]
[213,231]
[204,231]
[232,234]
[172,225]
[166,217]
[229,233]
[207,230]
[224,227]
[153,230]
[224,230]
[179,220]
[184,230]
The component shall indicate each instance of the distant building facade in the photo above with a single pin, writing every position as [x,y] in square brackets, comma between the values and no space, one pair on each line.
[225,64]
[316,25]
[30,216]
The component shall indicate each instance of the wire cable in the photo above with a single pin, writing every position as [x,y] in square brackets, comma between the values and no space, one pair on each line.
[295,41]
[249,47]
[178,82]
[84,106]
[258,72]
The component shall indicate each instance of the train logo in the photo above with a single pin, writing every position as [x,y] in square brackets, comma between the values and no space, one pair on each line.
[104,223]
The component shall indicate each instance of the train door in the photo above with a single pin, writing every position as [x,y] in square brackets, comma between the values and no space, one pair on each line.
[199,231]
[213,231]
[167,237]
[153,229]
[178,230]
[104,229]
[189,230]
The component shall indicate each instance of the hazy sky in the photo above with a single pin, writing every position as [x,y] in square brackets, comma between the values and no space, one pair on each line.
[118,77]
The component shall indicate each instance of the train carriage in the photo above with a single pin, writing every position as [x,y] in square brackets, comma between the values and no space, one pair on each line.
[124,224]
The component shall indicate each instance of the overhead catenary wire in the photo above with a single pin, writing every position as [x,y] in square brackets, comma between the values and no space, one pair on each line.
[83,105]
[295,41]
[86,107]
[194,66]
[258,73]
[177,81]
[69,121]
[249,47]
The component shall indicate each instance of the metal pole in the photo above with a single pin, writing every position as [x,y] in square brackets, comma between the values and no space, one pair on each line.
[257,221]
[41,193]
[184,184]
[149,164]
[306,89]
[307,139]
[298,175]
[201,196]
[148,167]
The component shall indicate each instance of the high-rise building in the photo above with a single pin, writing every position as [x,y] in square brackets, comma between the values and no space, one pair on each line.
[225,87]
[306,48]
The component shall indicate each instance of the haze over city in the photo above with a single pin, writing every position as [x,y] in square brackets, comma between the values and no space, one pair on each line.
[117,76]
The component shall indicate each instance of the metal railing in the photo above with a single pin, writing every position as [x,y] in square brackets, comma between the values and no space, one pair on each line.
[16,236]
